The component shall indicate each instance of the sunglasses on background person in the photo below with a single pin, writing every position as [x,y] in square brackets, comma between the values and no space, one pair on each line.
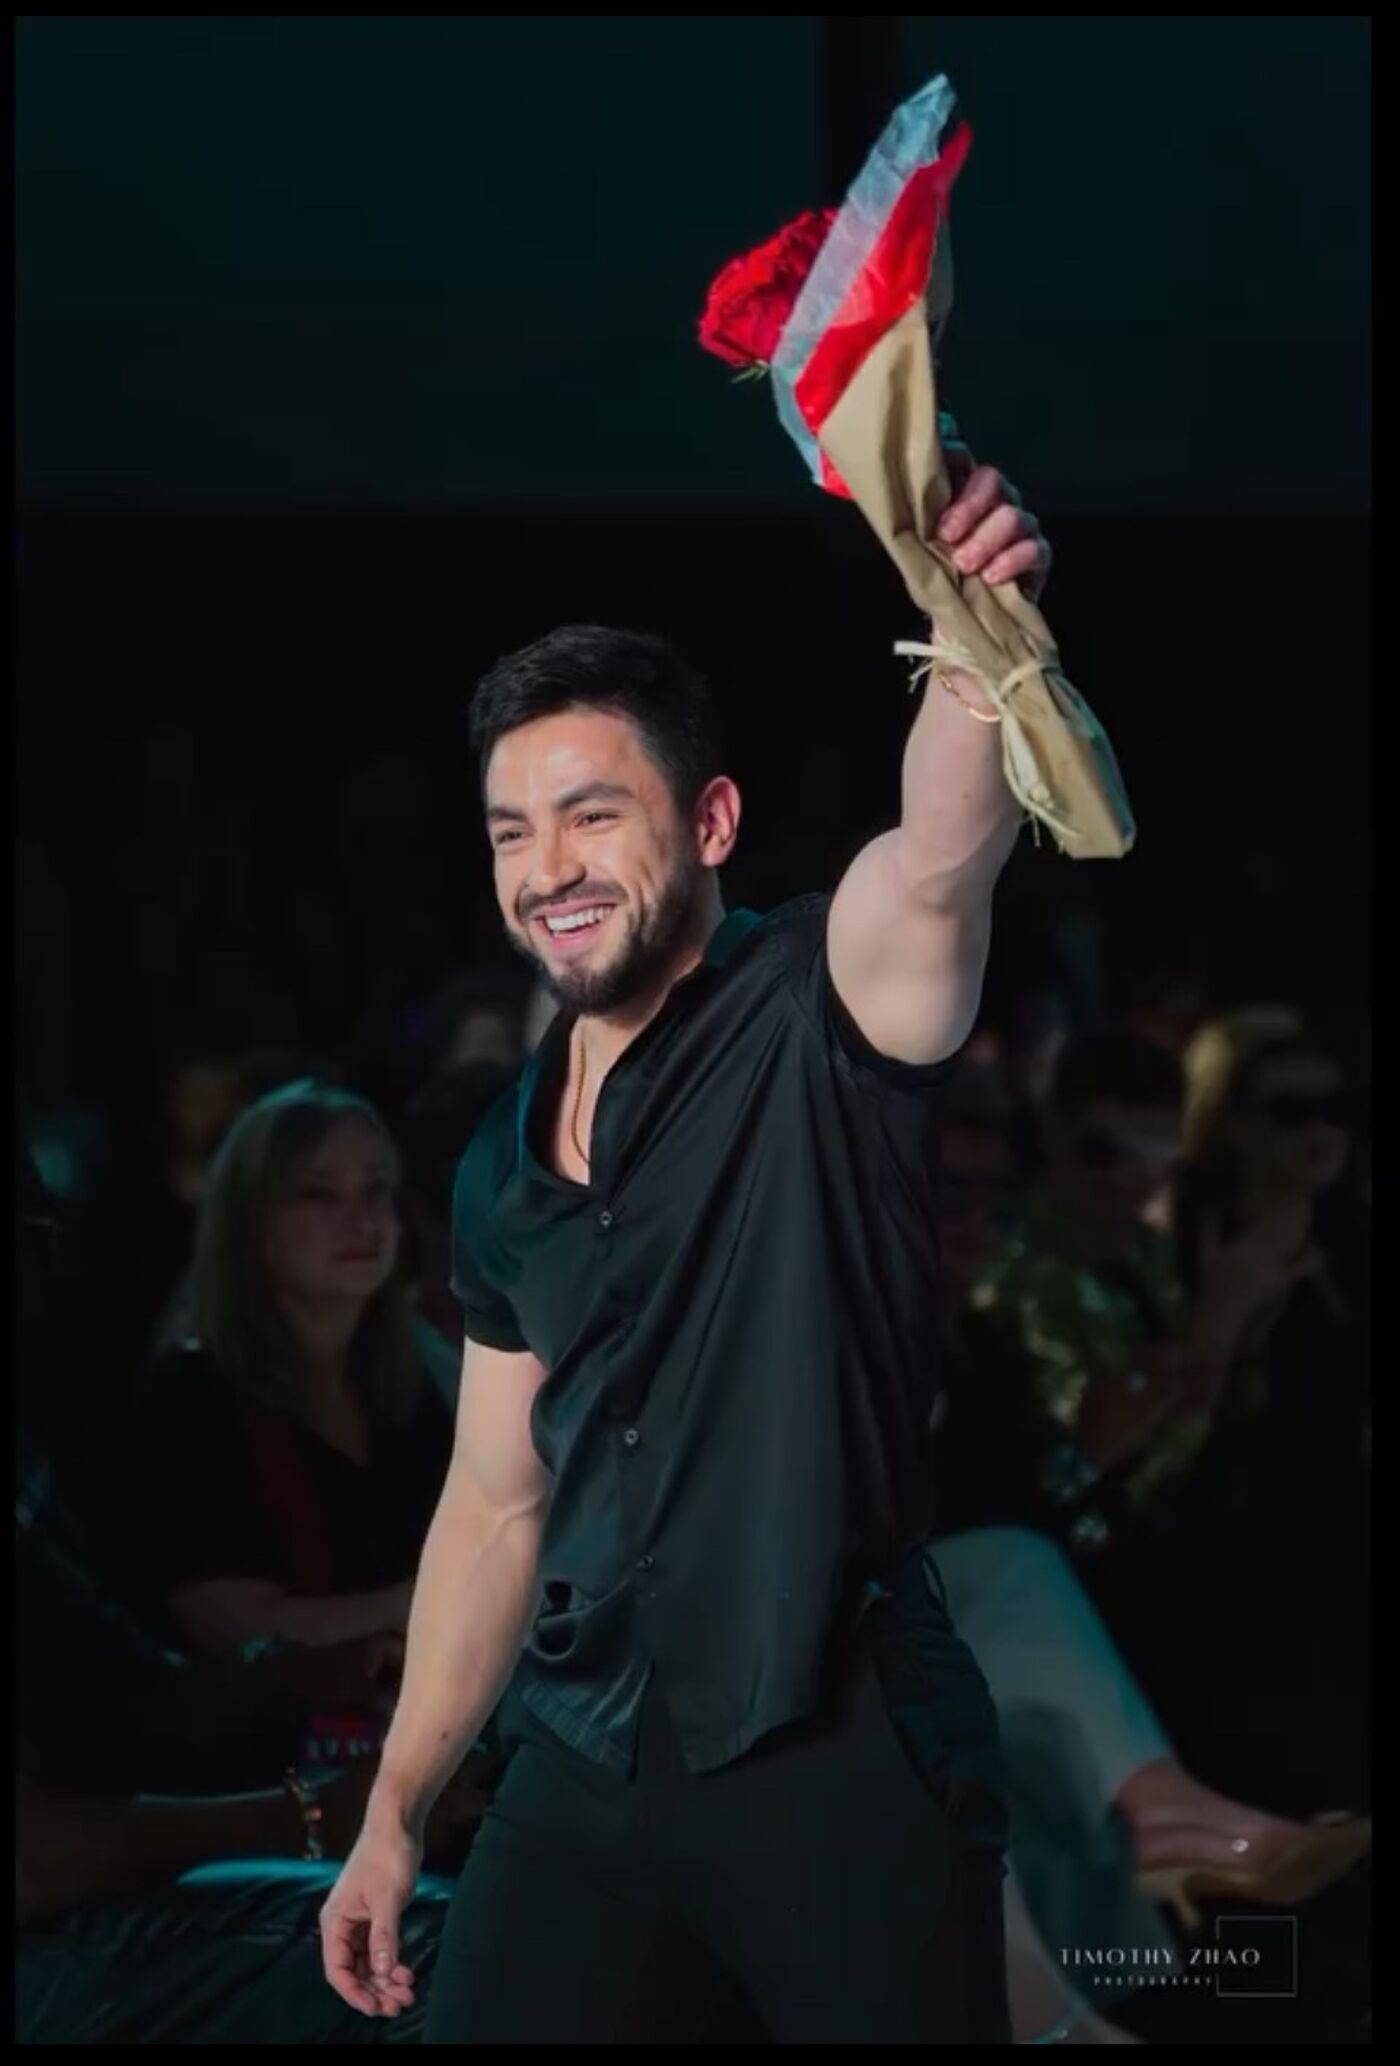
[1298,1109]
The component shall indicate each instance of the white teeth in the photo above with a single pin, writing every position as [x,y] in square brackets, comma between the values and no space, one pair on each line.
[576,919]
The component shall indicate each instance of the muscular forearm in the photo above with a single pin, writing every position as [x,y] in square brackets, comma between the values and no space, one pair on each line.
[958,818]
[471,1608]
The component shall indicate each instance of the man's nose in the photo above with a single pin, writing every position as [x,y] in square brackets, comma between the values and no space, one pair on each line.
[555,867]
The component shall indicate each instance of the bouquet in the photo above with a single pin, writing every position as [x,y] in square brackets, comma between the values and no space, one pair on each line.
[843,309]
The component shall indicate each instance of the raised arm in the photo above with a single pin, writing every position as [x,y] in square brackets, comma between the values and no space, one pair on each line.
[910,924]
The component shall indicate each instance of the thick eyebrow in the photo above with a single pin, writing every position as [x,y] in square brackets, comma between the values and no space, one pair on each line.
[587,792]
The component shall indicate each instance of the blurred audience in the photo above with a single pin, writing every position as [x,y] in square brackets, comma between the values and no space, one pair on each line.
[480,1019]
[205,1092]
[1110,1373]
[163,1891]
[1105,1819]
[1166,1005]
[437,1127]
[1282,1505]
[288,1456]
[1094,1401]
[1270,1141]
[1155,1252]
[206,1095]
[1104,1816]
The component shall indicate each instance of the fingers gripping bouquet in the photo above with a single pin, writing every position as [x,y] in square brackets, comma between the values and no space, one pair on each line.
[842,309]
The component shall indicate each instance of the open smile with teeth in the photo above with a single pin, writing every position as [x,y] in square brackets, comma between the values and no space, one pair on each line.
[575,923]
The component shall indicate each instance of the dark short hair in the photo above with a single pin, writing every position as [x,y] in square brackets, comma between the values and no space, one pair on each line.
[1115,1067]
[630,674]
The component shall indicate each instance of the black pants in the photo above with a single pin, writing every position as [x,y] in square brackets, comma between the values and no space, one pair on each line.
[824,1880]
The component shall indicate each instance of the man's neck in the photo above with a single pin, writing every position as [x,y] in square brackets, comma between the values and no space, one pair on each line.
[607,1034]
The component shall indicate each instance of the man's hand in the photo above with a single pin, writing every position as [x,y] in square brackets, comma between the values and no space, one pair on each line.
[992,534]
[360,1921]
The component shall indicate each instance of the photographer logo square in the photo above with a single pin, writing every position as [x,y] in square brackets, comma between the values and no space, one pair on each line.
[1254,1958]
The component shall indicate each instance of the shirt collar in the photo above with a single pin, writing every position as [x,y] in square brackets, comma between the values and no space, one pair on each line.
[726,938]
[727,935]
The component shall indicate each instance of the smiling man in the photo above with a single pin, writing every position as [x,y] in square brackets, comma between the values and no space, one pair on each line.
[682,1526]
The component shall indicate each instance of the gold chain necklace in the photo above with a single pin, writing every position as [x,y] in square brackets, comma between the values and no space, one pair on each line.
[578,1103]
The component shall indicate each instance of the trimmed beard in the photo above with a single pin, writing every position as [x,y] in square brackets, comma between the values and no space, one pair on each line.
[639,964]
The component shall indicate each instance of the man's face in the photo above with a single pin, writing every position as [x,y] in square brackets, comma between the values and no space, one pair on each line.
[598,875]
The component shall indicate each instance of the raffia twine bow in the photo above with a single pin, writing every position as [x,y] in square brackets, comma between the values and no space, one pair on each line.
[1023,776]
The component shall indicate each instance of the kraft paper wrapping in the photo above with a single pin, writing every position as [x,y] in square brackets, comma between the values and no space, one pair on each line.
[883,439]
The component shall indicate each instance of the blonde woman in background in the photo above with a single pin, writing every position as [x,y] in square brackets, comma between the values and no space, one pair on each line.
[289,1451]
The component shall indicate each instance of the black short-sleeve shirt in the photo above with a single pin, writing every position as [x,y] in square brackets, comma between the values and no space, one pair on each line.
[738,1317]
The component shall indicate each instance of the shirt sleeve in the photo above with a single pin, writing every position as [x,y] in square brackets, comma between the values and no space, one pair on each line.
[488,1316]
[861,1063]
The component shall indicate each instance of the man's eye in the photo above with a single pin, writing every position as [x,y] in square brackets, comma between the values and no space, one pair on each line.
[506,838]
[597,817]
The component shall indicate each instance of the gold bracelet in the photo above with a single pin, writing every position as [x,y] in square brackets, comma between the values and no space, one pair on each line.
[945,681]
[311,1815]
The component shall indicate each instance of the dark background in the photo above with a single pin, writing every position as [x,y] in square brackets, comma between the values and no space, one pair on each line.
[446,264]
[353,352]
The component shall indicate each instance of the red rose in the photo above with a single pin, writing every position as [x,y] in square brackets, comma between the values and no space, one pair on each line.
[751,300]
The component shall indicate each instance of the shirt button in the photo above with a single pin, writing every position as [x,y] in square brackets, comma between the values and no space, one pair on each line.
[605,1219]
[631,1438]
[646,1563]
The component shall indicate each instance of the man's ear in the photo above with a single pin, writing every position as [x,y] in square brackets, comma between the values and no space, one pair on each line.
[717,814]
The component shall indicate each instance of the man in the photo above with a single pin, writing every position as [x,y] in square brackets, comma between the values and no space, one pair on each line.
[695,1260]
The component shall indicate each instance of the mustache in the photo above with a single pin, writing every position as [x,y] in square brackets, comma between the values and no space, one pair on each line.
[591,892]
